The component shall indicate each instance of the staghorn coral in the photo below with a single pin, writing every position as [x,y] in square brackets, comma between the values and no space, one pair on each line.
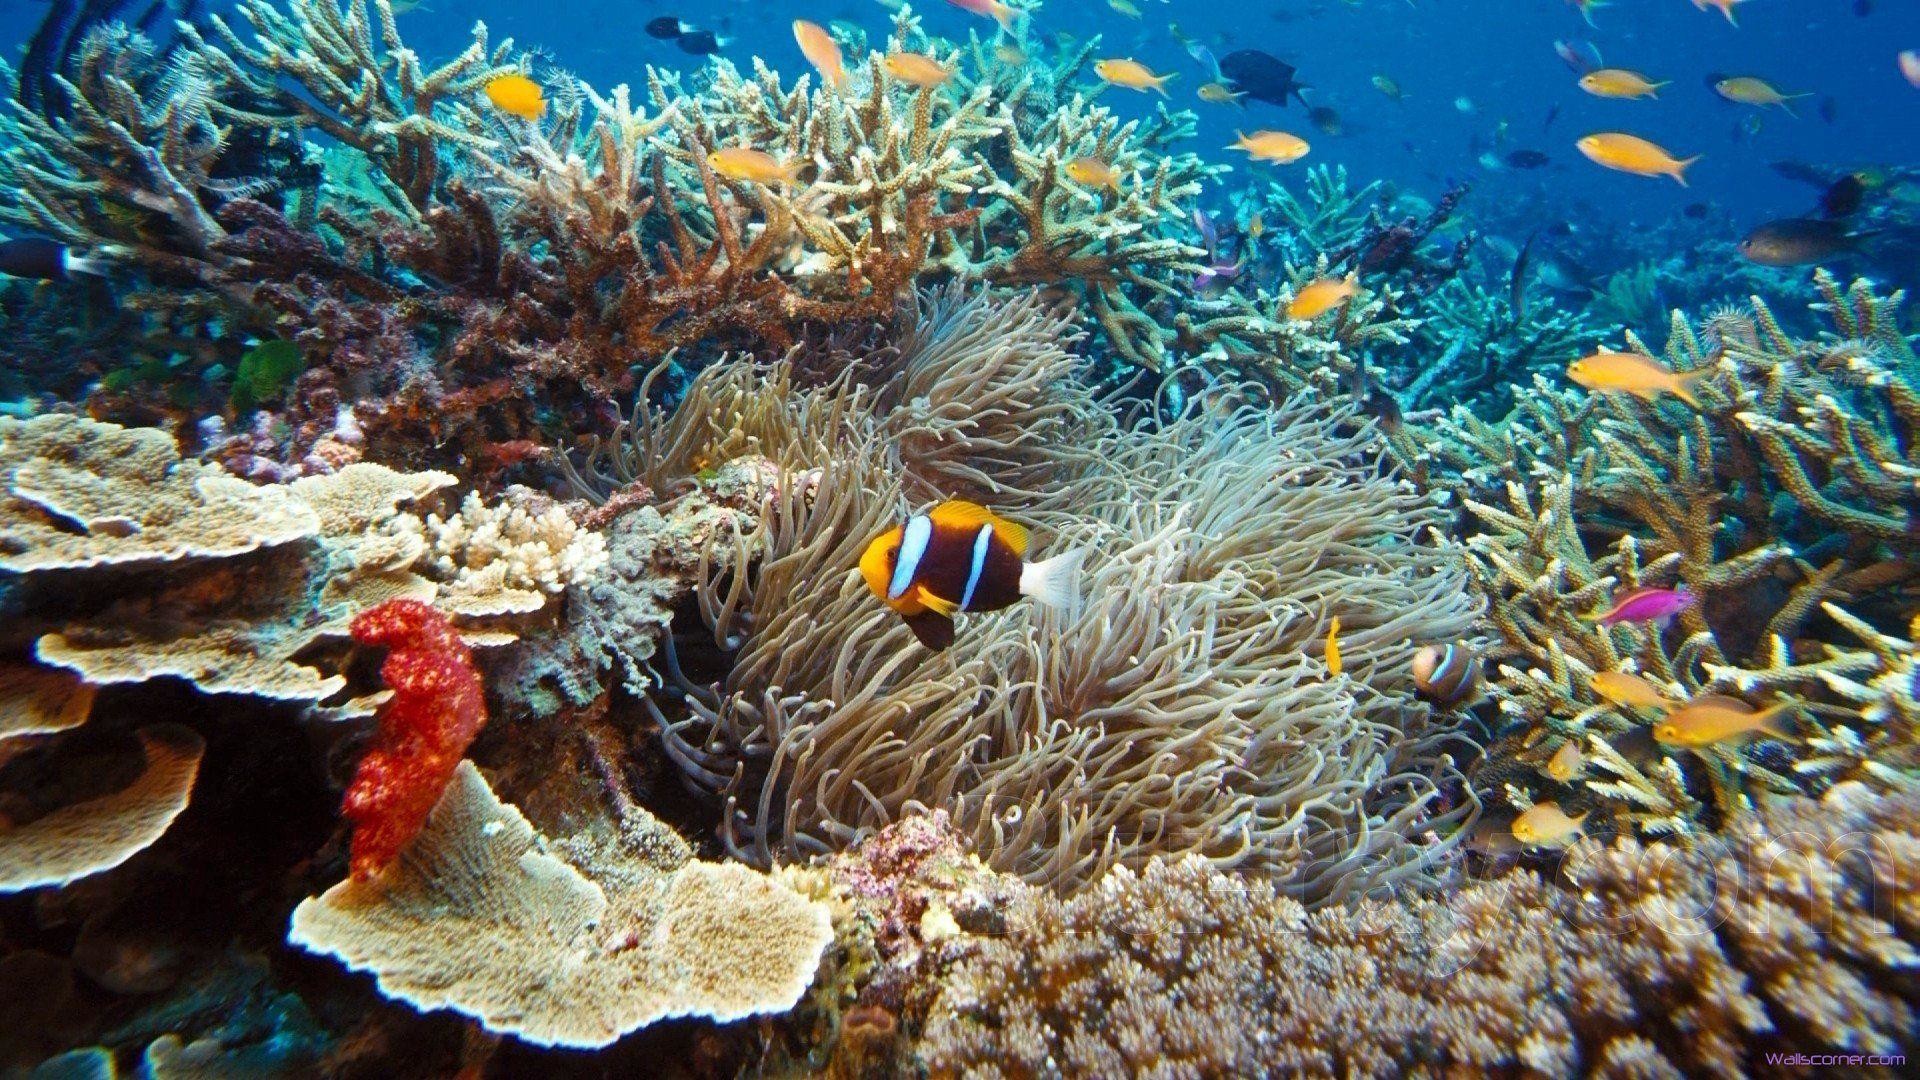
[436,709]
[1781,503]
[1222,545]
[571,942]
[1788,933]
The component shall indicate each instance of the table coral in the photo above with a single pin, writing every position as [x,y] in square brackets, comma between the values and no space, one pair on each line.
[570,942]
[436,710]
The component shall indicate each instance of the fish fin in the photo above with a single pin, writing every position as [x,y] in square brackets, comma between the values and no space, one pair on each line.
[939,605]
[966,515]
[1771,724]
[1054,583]
[95,266]
[933,630]
[1004,15]
[1160,84]
[1683,381]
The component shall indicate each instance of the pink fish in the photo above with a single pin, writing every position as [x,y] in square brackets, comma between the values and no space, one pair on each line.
[993,9]
[1657,606]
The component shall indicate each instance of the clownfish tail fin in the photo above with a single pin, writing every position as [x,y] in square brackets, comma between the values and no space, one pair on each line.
[1054,583]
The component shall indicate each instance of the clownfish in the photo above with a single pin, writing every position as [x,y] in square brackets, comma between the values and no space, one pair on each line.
[961,557]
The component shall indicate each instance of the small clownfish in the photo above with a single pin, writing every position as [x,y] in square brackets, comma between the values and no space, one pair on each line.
[961,557]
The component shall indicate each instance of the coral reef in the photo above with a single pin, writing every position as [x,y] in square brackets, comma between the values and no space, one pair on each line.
[425,727]
[570,942]
[1788,932]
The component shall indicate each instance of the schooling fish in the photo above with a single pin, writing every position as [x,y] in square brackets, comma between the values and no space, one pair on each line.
[754,166]
[1646,605]
[993,9]
[1131,74]
[1631,154]
[1326,119]
[1909,63]
[1620,83]
[1221,94]
[1725,7]
[1567,762]
[1747,90]
[1089,171]
[1546,825]
[1263,76]
[1843,196]
[1528,159]
[1276,146]
[961,557]
[1586,8]
[821,51]
[47,260]
[1799,241]
[1626,688]
[915,69]
[516,95]
[1633,373]
[1713,718]
[1388,87]
[1579,54]
[701,42]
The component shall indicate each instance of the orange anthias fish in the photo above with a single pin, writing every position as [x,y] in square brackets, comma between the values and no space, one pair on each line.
[1626,688]
[993,9]
[1221,94]
[1131,74]
[1092,172]
[1747,90]
[516,95]
[1619,83]
[961,557]
[756,166]
[915,69]
[1546,825]
[1725,7]
[821,51]
[1567,762]
[1633,373]
[1631,154]
[1713,718]
[1316,298]
[1275,146]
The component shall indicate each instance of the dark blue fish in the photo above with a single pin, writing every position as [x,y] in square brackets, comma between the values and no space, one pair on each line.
[47,260]
[1262,76]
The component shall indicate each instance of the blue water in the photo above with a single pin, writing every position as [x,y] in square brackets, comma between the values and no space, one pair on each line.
[1496,54]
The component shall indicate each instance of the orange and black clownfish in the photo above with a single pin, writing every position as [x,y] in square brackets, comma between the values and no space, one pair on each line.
[961,557]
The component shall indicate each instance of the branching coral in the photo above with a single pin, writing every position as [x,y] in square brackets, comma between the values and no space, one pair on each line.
[1789,933]
[1787,491]
[436,710]
[570,942]
[1186,708]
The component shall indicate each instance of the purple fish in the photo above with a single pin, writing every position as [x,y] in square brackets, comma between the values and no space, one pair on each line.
[1657,606]
[1578,54]
[1208,232]
[1215,277]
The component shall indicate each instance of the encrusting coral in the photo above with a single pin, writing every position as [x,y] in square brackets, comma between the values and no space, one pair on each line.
[1185,708]
[570,942]
[1792,931]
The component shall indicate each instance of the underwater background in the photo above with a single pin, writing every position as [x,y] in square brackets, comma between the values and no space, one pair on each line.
[1313,537]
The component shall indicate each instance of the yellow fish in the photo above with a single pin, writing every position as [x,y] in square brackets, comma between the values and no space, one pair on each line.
[1546,825]
[1221,94]
[1632,373]
[1124,7]
[1257,225]
[516,95]
[1625,688]
[1092,172]
[1631,154]
[1010,54]
[1333,647]
[916,69]
[1275,146]
[1131,74]
[746,163]
[1567,762]
[1711,718]
[1747,90]
[821,51]
[1619,83]
[1316,298]
[1725,7]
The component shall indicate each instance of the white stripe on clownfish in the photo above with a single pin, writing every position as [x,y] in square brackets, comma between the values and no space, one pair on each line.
[981,542]
[913,547]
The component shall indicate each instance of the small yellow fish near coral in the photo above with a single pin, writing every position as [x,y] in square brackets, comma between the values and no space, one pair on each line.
[914,68]
[1275,146]
[756,166]
[1713,718]
[1567,762]
[1636,374]
[1632,154]
[1626,688]
[1619,83]
[1316,298]
[1747,90]
[1724,7]
[958,557]
[516,95]
[821,51]
[1546,825]
[1333,647]
[1219,93]
[1089,171]
[1131,74]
